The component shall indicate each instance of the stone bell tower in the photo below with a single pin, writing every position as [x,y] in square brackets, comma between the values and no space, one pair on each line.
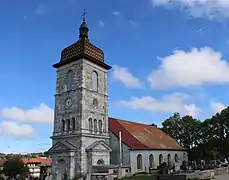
[80,137]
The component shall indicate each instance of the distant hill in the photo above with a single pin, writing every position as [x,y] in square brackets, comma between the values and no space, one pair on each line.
[28,155]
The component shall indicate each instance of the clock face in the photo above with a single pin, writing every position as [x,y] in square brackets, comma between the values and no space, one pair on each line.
[68,102]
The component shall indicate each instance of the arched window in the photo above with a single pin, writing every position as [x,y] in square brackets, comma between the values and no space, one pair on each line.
[160,159]
[63,125]
[95,126]
[61,161]
[94,80]
[151,161]
[169,159]
[100,162]
[68,125]
[69,80]
[90,125]
[176,158]
[73,124]
[100,126]
[139,161]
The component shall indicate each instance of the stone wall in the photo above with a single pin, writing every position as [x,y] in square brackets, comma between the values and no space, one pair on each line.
[115,154]
[61,94]
[207,174]
[82,108]
[220,171]
[97,112]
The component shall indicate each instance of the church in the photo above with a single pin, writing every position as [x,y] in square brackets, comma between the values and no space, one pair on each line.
[84,136]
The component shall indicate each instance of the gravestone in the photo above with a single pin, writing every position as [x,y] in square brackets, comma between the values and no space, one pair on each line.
[110,177]
[202,164]
[119,175]
[177,167]
[194,165]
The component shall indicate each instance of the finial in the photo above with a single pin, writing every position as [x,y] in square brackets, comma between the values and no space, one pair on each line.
[83,27]
[84,15]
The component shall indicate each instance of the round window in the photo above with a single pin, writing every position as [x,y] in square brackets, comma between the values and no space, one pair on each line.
[95,102]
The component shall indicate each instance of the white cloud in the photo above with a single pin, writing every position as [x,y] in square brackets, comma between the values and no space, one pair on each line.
[41,114]
[193,68]
[40,10]
[16,131]
[211,9]
[115,13]
[101,23]
[124,76]
[132,22]
[177,102]
[217,106]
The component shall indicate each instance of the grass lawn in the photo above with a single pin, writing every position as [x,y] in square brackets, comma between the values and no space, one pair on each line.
[142,177]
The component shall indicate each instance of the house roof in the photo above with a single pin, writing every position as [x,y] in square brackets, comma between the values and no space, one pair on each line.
[41,161]
[2,161]
[142,136]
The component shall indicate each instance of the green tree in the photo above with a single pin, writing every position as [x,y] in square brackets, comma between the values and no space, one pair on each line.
[46,154]
[172,127]
[216,134]
[14,166]
[190,130]
[184,130]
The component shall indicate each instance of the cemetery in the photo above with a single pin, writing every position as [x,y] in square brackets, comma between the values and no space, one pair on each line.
[202,171]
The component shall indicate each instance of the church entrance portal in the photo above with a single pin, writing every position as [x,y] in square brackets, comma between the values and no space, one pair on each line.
[61,168]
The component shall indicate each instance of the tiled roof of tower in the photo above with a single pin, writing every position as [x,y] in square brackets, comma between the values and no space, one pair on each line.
[82,49]
[82,46]
[142,136]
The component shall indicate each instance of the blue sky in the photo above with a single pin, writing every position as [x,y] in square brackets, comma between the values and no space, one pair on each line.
[167,56]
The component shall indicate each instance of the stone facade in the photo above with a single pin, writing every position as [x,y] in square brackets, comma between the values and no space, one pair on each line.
[115,153]
[73,155]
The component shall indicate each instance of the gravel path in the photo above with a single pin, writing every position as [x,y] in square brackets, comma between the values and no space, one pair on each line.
[223,177]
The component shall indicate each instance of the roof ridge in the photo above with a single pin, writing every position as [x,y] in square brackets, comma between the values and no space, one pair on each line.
[131,121]
[130,133]
[134,122]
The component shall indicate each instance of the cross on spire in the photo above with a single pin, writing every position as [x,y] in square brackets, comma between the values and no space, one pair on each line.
[84,15]
[83,27]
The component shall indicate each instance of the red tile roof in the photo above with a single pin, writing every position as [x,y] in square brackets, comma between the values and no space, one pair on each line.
[82,46]
[39,160]
[142,136]
[2,161]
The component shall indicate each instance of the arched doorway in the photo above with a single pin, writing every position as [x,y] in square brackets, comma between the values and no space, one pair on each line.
[61,168]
